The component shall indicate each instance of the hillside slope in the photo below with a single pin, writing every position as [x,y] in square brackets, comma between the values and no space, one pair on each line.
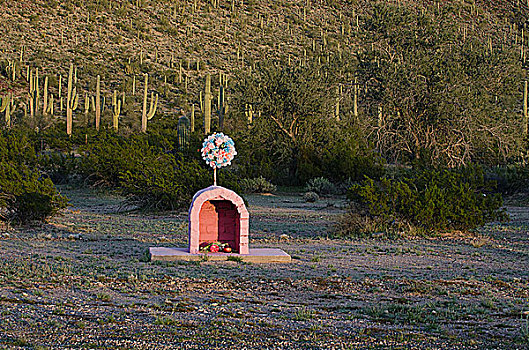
[179,42]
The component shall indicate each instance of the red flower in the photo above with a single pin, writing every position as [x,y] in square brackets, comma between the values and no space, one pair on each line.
[214,248]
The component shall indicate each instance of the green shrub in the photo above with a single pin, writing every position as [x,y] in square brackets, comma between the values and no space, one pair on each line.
[432,200]
[257,185]
[163,182]
[60,167]
[108,155]
[510,178]
[25,196]
[144,169]
[311,197]
[17,147]
[321,186]
[344,155]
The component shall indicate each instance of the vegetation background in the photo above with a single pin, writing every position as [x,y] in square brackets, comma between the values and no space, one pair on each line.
[308,89]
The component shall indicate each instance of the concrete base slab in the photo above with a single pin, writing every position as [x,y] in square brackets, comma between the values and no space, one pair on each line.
[257,255]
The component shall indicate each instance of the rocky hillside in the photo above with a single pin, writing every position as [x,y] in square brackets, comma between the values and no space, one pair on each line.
[179,42]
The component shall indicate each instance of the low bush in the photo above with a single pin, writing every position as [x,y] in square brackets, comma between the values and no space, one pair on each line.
[108,156]
[510,178]
[165,182]
[432,200]
[310,197]
[25,196]
[147,171]
[257,185]
[17,147]
[321,186]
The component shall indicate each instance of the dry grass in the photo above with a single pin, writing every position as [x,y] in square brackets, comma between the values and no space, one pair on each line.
[443,292]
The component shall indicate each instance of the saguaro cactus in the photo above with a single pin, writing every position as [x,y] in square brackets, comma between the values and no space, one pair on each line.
[380,121]
[45,105]
[337,106]
[207,106]
[147,115]
[192,121]
[183,132]
[86,107]
[11,69]
[60,93]
[97,105]
[249,114]
[72,100]
[221,108]
[50,105]
[525,113]
[7,105]
[116,110]
[355,99]
[33,93]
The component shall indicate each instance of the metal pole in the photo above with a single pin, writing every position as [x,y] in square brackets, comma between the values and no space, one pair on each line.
[214,176]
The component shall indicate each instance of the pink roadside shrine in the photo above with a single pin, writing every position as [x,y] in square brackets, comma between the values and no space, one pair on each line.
[218,214]
[218,218]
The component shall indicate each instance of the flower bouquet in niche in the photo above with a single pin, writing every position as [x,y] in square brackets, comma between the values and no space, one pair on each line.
[216,247]
[218,150]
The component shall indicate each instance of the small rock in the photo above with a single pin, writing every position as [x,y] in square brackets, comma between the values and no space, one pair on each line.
[284,237]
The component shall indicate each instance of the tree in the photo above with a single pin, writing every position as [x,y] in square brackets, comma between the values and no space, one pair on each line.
[439,94]
[291,107]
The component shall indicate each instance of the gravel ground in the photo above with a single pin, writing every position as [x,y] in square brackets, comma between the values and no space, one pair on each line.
[83,281]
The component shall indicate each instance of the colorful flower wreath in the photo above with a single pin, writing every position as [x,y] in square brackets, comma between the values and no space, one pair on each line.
[218,150]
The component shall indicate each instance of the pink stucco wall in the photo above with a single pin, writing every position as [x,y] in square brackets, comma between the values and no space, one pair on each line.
[218,214]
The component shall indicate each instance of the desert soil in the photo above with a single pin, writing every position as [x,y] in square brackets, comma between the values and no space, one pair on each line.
[83,280]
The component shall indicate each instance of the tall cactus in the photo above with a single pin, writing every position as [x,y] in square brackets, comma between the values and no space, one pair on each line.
[207,106]
[3,103]
[72,100]
[221,108]
[50,105]
[11,69]
[11,109]
[7,106]
[46,107]
[86,107]
[116,110]
[192,121]
[101,107]
[60,93]
[249,114]
[180,72]
[147,115]
[33,93]
[97,105]
[525,113]
[355,98]
[183,133]
[337,106]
